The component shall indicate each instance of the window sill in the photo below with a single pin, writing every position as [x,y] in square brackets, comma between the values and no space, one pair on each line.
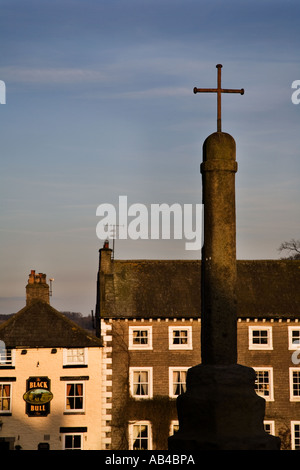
[74,366]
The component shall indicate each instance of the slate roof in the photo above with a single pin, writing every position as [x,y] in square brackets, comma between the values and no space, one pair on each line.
[167,288]
[38,325]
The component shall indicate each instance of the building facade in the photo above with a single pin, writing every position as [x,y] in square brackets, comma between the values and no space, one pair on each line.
[150,322]
[271,348]
[149,362]
[50,379]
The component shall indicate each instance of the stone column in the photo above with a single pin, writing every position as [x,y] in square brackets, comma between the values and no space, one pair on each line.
[218,297]
[220,409]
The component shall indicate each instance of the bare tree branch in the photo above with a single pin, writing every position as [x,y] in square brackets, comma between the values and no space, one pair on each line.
[293,248]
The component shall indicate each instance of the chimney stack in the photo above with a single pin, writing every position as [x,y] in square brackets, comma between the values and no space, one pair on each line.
[37,288]
[105,261]
[105,267]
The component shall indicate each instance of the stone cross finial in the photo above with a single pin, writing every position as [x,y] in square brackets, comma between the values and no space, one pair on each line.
[219,90]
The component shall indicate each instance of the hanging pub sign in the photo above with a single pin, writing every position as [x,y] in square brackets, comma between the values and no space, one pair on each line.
[38,396]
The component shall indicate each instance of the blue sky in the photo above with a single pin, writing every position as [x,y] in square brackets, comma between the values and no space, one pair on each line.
[100,103]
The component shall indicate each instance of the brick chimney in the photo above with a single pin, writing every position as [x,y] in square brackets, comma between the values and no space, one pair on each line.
[37,288]
[105,268]
[105,262]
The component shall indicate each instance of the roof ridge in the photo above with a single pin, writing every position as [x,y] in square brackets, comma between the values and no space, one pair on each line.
[41,325]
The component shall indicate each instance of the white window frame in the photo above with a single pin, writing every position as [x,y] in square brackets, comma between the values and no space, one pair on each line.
[271,383]
[149,370]
[171,382]
[131,433]
[292,396]
[3,412]
[75,410]
[272,426]
[188,345]
[174,423]
[293,345]
[7,357]
[72,434]
[68,362]
[133,346]
[256,346]
[294,445]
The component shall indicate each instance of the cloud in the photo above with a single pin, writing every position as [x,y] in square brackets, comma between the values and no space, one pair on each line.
[51,75]
[159,92]
[124,68]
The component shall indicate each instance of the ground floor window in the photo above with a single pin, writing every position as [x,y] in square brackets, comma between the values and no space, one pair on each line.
[140,436]
[72,441]
[174,427]
[295,430]
[5,397]
[269,427]
[6,443]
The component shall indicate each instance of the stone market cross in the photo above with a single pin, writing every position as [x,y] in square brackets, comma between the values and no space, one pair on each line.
[220,409]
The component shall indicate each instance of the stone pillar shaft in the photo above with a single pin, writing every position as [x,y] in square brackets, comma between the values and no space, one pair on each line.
[218,309]
[220,409]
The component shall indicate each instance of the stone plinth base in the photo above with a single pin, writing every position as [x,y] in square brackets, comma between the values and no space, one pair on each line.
[221,411]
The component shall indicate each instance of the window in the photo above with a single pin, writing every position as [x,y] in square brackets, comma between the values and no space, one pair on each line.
[75,357]
[74,397]
[269,427]
[260,337]
[7,356]
[294,384]
[140,436]
[295,431]
[177,381]
[174,427]
[294,337]
[5,398]
[140,337]
[72,442]
[180,337]
[264,382]
[141,382]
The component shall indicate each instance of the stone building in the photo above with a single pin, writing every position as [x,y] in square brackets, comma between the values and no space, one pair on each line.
[150,325]
[50,378]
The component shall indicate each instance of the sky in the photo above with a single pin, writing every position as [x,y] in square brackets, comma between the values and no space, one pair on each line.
[99,104]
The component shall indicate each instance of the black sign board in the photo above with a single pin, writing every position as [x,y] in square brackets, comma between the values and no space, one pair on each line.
[38,396]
